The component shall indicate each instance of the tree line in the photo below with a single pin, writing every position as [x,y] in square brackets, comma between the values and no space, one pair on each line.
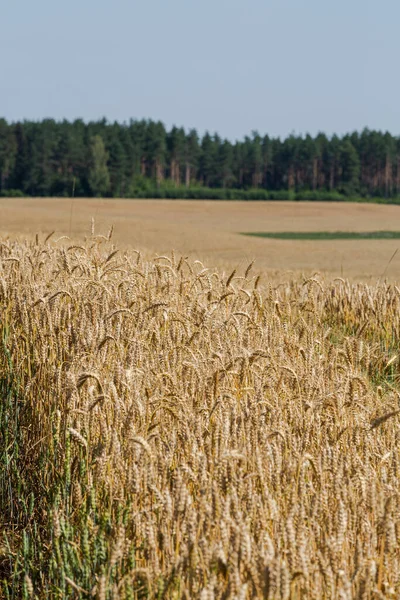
[144,159]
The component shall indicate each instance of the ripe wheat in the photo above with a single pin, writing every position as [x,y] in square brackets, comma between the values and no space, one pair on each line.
[171,432]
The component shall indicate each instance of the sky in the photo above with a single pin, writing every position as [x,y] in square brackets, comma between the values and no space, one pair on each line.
[226,66]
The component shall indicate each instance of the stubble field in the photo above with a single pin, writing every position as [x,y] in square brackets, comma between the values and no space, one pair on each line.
[209,231]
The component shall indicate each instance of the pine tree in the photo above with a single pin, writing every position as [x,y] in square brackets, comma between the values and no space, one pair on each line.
[350,166]
[20,174]
[176,142]
[8,153]
[256,160]
[116,160]
[156,145]
[224,163]
[207,160]
[99,178]
[192,152]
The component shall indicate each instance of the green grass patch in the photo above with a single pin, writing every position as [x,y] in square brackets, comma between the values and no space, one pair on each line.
[327,235]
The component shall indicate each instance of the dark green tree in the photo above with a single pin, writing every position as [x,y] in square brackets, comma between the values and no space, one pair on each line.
[8,154]
[176,145]
[207,160]
[192,153]
[350,167]
[225,164]
[99,177]
[156,146]
[116,161]
[256,160]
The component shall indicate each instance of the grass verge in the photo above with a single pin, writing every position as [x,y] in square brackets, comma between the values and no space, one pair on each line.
[327,235]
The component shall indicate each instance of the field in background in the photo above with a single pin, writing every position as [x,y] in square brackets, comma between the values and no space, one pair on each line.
[210,230]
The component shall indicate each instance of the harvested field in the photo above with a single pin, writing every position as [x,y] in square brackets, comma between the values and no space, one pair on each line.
[209,230]
[171,432]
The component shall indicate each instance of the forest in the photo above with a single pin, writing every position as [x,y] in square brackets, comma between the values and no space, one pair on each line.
[143,159]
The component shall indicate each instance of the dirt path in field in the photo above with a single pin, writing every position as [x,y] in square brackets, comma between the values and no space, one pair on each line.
[209,231]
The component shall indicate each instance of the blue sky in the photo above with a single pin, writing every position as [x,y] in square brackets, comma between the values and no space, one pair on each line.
[278,66]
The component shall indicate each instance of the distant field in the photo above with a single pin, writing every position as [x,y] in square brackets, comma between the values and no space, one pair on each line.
[210,230]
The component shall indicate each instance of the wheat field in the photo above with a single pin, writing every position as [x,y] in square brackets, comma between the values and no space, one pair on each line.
[173,431]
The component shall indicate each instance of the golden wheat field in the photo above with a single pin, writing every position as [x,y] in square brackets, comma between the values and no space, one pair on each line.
[174,431]
[208,231]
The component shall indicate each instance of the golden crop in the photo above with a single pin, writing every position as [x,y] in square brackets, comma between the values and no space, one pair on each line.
[171,432]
